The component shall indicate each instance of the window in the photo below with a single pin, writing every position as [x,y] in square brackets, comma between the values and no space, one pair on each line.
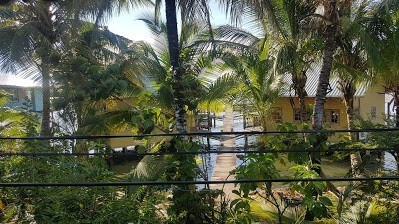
[331,116]
[297,115]
[373,113]
[276,114]
[29,94]
[14,95]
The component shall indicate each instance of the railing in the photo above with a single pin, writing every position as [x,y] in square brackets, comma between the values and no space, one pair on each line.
[203,150]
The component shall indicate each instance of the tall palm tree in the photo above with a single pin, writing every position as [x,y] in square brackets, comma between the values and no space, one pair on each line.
[382,45]
[157,64]
[331,20]
[28,36]
[297,46]
[95,75]
[350,65]
[190,9]
[247,59]
[32,32]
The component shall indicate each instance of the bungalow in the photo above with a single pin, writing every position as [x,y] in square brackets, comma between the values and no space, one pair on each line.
[369,102]
[21,92]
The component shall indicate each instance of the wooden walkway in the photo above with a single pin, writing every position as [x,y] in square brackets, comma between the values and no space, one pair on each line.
[225,162]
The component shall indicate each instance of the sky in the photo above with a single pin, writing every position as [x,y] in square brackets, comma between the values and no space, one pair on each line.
[128,25]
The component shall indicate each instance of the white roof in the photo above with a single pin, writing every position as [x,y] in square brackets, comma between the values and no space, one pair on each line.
[16,81]
[312,81]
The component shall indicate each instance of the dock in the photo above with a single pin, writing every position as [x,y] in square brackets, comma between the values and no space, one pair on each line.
[225,162]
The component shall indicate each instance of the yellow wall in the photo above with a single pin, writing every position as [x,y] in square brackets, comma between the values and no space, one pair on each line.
[288,112]
[374,97]
[124,142]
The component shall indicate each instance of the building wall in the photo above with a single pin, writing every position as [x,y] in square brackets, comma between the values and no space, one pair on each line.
[372,104]
[23,94]
[126,142]
[287,111]
[37,100]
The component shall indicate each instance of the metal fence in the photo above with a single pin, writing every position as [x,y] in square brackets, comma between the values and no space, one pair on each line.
[203,150]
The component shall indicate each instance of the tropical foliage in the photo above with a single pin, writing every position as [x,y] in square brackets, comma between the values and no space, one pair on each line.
[96,82]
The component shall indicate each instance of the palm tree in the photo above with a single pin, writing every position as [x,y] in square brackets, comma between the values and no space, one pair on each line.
[92,76]
[297,46]
[156,64]
[28,38]
[331,19]
[190,9]
[33,31]
[382,45]
[350,66]
[247,59]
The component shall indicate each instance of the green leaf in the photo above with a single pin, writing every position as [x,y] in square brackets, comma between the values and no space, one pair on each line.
[326,201]
[236,192]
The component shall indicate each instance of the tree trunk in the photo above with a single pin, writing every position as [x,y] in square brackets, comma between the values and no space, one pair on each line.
[45,128]
[324,77]
[173,46]
[348,89]
[355,157]
[302,94]
[328,56]
[324,80]
[396,105]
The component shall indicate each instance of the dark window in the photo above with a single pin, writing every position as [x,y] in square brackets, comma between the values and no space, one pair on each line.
[297,115]
[373,113]
[331,116]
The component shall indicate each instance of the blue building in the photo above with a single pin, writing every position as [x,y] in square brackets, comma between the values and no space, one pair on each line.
[22,92]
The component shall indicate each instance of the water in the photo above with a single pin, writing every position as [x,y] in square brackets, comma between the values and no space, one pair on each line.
[210,159]
[389,163]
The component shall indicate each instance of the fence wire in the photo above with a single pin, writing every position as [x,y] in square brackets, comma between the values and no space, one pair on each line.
[241,150]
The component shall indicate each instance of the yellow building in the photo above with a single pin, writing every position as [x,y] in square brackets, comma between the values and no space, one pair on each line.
[369,103]
[129,143]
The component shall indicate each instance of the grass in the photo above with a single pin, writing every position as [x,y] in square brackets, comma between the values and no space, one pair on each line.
[123,168]
[330,167]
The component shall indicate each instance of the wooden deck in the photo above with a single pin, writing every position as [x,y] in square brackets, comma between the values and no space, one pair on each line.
[225,162]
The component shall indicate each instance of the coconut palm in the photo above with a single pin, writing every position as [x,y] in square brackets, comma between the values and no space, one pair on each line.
[31,35]
[350,65]
[157,64]
[297,46]
[382,45]
[247,59]
[191,10]
[92,76]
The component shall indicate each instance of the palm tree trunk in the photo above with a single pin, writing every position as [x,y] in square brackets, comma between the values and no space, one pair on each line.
[324,78]
[322,87]
[173,44]
[300,84]
[328,56]
[45,128]
[208,19]
[396,104]
[355,157]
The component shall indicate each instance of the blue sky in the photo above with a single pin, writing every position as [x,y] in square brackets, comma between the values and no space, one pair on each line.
[127,25]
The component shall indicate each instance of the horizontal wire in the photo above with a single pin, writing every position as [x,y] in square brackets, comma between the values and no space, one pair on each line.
[157,183]
[133,154]
[195,134]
